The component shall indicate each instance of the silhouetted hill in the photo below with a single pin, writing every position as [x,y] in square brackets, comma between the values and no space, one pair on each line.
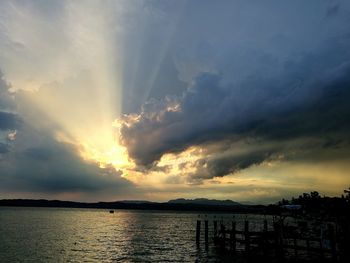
[136,202]
[204,201]
[201,205]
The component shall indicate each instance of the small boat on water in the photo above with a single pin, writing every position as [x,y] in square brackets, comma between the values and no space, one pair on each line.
[111,211]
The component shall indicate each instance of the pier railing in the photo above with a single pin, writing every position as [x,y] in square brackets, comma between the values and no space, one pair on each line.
[277,240]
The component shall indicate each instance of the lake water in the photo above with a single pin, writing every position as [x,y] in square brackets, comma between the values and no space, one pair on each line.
[94,235]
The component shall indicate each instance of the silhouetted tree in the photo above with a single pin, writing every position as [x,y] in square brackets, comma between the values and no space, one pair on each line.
[283,202]
[347,194]
[314,203]
[315,195]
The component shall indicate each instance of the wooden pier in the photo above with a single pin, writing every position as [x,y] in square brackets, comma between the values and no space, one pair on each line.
[282,242]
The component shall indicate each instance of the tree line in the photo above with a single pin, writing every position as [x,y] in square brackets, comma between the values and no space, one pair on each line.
[313,202]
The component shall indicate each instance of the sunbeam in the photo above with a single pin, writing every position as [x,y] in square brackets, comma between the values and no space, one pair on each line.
[181,98]
[84,98]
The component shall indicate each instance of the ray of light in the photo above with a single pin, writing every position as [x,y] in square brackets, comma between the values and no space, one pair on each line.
[170,33]
[81,48]
[85,97]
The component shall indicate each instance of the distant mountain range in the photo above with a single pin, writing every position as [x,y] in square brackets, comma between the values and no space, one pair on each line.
[203,201]
[196,201]
[135,202]
[181,204]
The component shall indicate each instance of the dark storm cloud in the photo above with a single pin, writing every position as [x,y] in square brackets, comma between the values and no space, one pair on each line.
[220,165]
[296,86]
[230,164]
[209,112]
[6,99]
[40,154]
[326,110]
[333,10]
[50,166]
[8,121]
[4,148]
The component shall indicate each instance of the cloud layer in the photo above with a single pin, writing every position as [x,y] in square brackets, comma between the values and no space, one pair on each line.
[272,85]
[205,92]
[32,160]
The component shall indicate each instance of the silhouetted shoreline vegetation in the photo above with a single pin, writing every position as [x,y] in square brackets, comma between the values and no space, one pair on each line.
[314,204]
[310,204]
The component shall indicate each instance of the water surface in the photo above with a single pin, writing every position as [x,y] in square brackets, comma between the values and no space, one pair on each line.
[95,235]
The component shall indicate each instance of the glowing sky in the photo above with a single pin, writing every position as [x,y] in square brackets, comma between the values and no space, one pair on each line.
[111,100]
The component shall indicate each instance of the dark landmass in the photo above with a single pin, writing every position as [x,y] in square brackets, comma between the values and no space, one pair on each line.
[313,204]
[135,202]
[204,201]
[307,204]
[178,205]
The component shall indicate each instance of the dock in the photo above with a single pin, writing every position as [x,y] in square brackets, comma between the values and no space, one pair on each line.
[274,240]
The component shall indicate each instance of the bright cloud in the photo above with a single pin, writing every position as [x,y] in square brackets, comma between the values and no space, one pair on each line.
[158,100]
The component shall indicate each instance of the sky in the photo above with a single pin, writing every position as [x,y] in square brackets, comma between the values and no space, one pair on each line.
[157,100]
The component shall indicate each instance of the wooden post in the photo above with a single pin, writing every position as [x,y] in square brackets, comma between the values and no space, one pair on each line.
[246,236]
[233,237]
[321,250]
[308,246]
[281,240]
[321,245]
[215,229]
[332,242]
[206,232]
[223,235]
[264,238]
[198,232]
[276,229]
[278,241]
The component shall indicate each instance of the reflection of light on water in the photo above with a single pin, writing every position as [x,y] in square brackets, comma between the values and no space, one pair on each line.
[98,236]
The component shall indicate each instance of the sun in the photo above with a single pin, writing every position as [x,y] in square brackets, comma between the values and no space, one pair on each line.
[104,147]
[114,154]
